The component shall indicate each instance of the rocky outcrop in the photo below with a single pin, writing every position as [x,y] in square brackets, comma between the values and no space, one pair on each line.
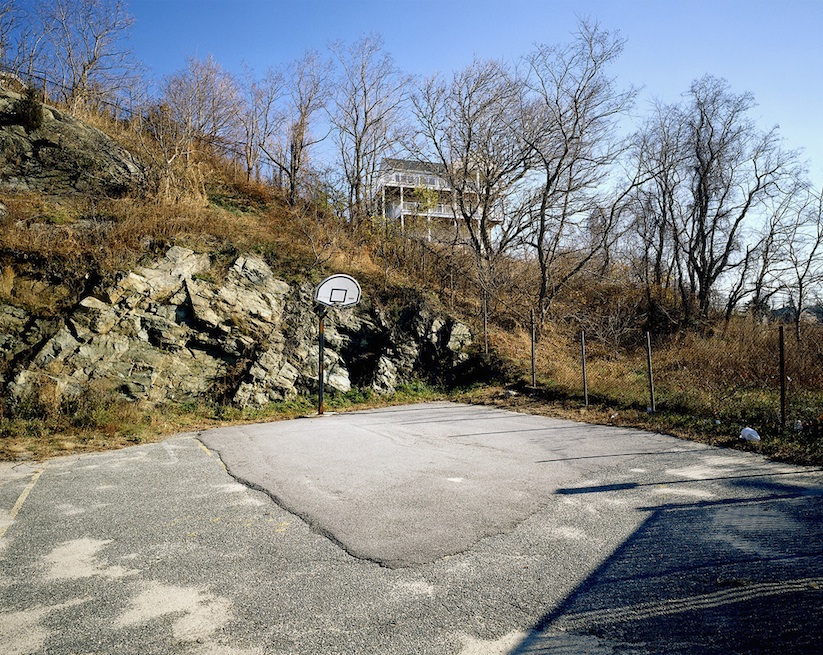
[182,329]
[62,155]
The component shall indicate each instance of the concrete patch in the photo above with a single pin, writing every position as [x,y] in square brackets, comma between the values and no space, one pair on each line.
[409,485]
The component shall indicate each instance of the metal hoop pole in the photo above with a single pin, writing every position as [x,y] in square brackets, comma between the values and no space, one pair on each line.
[320,368]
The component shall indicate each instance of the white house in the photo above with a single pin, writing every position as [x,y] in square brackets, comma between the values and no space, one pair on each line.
[407,190]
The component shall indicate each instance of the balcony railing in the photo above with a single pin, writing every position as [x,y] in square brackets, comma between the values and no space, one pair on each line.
[417,209]
[412,180]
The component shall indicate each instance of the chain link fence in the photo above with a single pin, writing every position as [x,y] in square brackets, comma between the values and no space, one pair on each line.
[767,377]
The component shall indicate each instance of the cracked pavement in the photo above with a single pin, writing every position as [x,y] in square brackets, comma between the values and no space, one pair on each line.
[435,528]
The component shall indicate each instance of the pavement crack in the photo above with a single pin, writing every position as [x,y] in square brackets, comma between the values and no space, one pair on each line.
[302,516]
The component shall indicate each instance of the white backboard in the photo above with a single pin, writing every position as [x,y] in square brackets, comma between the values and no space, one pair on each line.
[338,291]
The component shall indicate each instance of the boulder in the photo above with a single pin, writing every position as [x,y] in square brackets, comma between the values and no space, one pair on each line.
[169,331]
[62,155]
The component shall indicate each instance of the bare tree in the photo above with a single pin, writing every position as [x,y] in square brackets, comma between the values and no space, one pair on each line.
[8,16]
[733,169]
[803,246]
[167,148]
[205,100]
[715,180]
[307,91]
[197,115]
[570,125]
[365,113]
[85,52]
[652,238]
[469,126]
[260,121]
[24,36]
[764,267]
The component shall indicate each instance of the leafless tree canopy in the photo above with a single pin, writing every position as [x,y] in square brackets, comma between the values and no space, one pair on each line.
[205,101]
[307,89]
[572,109]
[696,207]
[7,20]
[365,114]
[468,125]
[707,211]
[76,49]
[260,120]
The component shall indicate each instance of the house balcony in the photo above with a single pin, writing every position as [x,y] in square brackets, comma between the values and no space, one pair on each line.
[398,210]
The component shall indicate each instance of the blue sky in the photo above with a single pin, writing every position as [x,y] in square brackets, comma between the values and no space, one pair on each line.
[772,49]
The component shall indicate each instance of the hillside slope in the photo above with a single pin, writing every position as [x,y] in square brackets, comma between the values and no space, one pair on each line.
[165,304]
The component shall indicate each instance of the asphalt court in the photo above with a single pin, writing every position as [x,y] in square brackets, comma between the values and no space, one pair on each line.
[432,529]
[408,485]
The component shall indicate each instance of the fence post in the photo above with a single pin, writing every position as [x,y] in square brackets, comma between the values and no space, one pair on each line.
[583,360]
[649,367]
[534,363]
[782,352]
[485,304]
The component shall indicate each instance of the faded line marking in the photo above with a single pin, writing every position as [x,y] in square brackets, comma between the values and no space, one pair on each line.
[170,452]
[204,448]
[211,454]
[20,500]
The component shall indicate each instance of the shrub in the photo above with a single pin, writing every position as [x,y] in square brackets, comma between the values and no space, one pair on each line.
[28,110]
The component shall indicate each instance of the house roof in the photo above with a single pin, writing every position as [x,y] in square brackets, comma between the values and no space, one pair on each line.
[413,165]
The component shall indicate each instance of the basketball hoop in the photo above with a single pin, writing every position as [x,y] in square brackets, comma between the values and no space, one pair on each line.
[338,291]
[335,291]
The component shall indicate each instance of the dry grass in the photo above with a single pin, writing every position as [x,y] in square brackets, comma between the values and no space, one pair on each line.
[46,426]
[66,242]
[707,386]
[6,282]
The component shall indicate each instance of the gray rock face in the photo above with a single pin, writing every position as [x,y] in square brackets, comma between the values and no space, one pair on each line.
[63,155]
[170,331]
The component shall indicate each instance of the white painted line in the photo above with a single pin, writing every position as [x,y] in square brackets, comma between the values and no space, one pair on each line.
[22,499]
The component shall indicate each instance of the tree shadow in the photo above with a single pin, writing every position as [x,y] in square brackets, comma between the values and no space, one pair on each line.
[738,575]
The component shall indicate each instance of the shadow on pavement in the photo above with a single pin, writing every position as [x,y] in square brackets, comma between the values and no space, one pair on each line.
[739,575]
